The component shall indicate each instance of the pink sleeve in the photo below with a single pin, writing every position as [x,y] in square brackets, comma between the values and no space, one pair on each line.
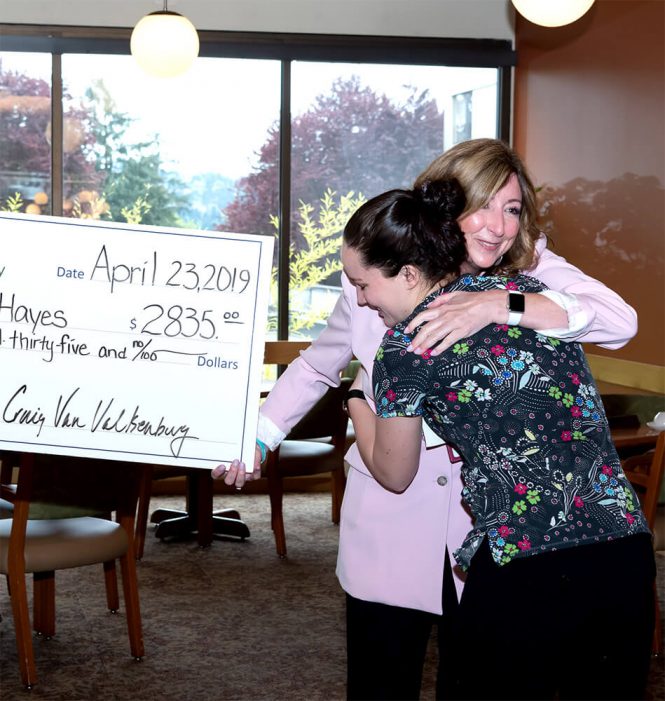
[307,377]
[608,320]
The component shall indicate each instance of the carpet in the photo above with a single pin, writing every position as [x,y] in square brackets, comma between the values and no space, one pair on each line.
[229,622]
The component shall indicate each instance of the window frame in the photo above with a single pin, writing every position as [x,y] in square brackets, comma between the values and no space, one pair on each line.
[285,47]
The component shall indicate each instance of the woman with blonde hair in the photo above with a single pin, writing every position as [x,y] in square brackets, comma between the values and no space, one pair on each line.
[576,306]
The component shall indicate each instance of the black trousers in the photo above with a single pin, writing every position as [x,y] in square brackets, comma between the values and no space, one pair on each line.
[571,624]
[386,647]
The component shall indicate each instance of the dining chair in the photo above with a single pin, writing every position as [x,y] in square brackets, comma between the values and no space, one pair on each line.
[315,445]
[645,473]
[41,546]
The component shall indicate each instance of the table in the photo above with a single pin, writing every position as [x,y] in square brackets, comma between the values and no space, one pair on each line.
[199,516]
[633,441]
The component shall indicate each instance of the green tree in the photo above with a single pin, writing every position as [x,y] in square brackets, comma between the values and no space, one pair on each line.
[142,177]
[311,264]
[109,127]
[13,203]
[131,172]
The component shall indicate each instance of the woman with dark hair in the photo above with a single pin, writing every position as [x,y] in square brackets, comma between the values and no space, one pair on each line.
[558,601]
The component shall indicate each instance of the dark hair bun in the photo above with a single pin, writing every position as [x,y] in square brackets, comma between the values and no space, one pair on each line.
[411,227]
[443,198]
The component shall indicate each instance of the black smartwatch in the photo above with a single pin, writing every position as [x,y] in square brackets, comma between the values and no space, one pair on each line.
[353,394]
[515,307]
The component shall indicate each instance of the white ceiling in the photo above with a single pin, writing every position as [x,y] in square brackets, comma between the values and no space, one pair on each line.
[481,19]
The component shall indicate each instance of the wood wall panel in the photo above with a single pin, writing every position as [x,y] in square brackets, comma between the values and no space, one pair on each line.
[590,123]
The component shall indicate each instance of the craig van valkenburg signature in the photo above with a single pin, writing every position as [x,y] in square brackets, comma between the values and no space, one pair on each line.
[107,417]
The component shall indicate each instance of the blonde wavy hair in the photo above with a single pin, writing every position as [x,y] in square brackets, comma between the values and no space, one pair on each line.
[482,167]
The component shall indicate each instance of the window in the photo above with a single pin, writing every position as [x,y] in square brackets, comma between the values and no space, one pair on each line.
[462,117]
[270,134]
[168,155]
[358,130]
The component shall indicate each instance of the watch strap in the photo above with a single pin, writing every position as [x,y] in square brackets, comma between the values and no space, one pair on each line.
[514,318]
[353,394]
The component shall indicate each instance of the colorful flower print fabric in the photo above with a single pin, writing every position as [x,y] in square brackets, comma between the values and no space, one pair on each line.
[540,470]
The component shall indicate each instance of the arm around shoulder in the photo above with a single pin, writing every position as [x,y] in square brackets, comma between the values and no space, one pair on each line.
[596,313]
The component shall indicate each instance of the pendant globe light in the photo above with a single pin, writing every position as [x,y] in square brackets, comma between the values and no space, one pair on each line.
[552,13]
[164,43]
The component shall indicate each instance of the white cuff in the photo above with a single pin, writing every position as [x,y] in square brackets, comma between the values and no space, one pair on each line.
[268,433]
[577,316]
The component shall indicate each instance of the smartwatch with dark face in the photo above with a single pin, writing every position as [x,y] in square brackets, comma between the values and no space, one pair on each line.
[515,307]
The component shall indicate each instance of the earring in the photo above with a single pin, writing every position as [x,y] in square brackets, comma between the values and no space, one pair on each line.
[498,260]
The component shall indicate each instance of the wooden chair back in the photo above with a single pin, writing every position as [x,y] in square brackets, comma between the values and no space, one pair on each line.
[316,444]
[283,352]
[326,418]
[645,473]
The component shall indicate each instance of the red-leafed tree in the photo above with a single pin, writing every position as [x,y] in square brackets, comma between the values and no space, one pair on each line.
[25,133]
[351,140]
[105,175]
[25,112]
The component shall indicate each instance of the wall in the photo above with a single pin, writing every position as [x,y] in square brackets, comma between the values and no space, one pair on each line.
[589,116]
[483,19]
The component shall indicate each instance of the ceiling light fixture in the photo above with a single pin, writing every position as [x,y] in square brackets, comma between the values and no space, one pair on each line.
[164,43]
[552,13]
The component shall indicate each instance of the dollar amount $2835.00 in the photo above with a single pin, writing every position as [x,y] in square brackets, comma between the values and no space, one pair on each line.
[183,321]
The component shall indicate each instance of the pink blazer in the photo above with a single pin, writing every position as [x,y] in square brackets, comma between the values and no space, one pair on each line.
[392,546]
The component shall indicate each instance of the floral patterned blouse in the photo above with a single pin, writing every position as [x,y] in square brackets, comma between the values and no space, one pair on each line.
[540,470]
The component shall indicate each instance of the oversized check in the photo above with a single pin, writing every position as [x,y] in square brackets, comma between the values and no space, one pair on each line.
[128,342]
